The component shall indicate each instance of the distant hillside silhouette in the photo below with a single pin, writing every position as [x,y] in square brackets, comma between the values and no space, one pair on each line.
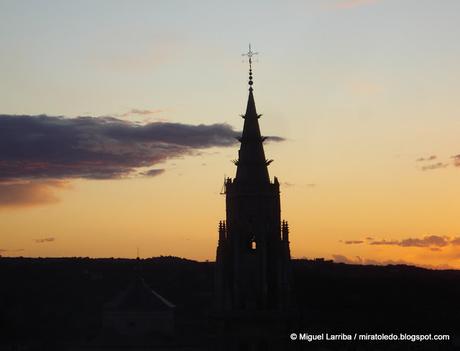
[58,301]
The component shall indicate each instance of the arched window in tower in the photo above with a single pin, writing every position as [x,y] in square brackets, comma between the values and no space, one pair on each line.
[252,243]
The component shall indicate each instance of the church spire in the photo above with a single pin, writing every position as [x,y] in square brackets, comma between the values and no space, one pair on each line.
[252,256]
[251,164]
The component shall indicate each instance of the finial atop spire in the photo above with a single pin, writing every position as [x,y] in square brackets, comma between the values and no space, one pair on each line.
[250,54]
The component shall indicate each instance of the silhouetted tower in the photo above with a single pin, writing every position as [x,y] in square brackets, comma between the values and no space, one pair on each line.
[253,256]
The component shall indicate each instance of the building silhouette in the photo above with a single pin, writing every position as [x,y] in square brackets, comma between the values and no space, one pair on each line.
[139,310]
[252,284]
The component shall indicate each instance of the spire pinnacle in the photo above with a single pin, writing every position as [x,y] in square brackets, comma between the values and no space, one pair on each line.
[250,54]
[251,164]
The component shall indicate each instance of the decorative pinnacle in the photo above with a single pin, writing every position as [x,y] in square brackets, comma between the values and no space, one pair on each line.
[250,54]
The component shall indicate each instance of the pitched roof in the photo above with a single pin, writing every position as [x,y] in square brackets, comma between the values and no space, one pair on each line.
[138,296]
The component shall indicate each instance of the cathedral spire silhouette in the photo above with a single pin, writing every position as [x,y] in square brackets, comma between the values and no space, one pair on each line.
[252,260]
[251,163]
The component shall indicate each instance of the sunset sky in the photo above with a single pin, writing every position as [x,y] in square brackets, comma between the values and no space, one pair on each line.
[365,94]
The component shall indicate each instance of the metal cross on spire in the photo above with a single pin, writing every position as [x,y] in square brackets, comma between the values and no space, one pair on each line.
[250,54]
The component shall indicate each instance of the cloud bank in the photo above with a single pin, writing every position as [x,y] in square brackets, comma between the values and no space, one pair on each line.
[44,147]
[367,261]
[40,153]
[430,241]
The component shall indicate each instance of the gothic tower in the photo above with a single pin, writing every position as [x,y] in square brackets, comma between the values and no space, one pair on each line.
[253,257]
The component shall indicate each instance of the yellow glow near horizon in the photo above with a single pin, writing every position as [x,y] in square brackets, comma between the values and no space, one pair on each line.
[360,90]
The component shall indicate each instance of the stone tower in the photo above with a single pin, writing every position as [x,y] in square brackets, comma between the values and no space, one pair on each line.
[253,256]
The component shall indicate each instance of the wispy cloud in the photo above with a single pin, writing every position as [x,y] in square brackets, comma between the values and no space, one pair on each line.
[456,159]
[437,165]
[45,240]
[140,112]
[353,242]
[384,242]
[428,241]
[10,250]
[20,193]
[289,185]
[427,163]
[424,159]
[137,55]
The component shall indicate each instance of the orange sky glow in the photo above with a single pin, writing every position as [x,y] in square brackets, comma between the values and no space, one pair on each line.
[364,95]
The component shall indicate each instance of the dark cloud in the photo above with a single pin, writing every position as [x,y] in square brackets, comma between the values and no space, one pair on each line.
[44,147]
[39,153]
[431,240]
[427,241]
[274,138]
[433,166]
[29,193]
[44,240]
[152,172]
